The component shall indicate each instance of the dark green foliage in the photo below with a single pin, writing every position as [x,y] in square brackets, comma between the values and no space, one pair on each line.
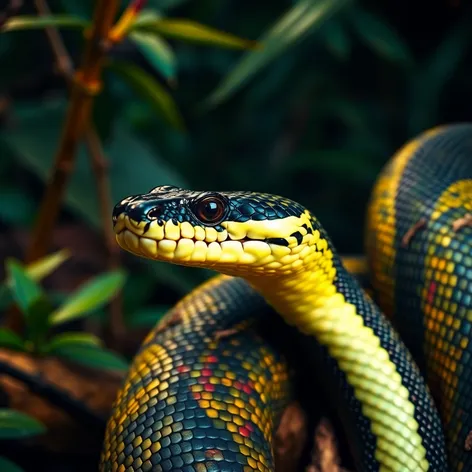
[313,113]
[41,315]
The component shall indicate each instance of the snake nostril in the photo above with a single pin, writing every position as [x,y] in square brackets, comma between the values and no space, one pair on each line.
[155,212]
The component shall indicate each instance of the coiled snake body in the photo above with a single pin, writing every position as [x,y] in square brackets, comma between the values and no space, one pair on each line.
[178,410]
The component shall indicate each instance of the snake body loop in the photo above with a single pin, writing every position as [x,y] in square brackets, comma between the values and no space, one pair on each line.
[279,255]
[193,402]
[419,241]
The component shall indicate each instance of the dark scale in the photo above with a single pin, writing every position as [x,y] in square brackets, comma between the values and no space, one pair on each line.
[430,308]
[356,425]
[201,414]
[438,163]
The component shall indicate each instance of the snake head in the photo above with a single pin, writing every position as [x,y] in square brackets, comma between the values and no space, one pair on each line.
[237,233]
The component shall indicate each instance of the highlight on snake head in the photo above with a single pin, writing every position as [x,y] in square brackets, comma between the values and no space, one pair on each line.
[229,231]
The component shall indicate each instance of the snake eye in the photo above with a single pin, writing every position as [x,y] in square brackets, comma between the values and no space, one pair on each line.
[210,210]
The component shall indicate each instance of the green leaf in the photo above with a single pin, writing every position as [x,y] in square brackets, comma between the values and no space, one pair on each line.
[72,339]
[144,19]
[36,271]
[8,466]
[11,340]
[193,32]
[146,317]
[336,38]
[89,297]
[157,52]
[40,22]
[17,425]
[47,265]
[149,89]
[92,356]
[25,290]
[380,36]
[291,28]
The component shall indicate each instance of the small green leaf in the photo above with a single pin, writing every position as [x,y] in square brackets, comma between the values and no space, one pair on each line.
[89,297]
[40,22]
[147,317]
[380,36]
[48,264]
[72,339]
[9,466]
[144,19]
[92,356]
[291,28]
[149,89]
[16,425]
[193,32]
[25,290]
[11,340]
[32,301]
[157,52]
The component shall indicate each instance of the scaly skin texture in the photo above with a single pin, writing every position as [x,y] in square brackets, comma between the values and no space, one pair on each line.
[193,402]
[282,251]
[424,281]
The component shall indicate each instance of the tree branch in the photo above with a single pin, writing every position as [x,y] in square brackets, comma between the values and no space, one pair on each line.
[85,84]
[99,166]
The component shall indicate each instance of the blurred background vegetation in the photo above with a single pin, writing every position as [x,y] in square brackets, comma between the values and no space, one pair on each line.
[315,122]
[313,115]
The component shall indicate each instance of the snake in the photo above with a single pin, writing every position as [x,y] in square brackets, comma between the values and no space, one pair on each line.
[394,364]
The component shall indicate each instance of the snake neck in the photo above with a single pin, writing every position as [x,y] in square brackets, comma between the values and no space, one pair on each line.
[304,295]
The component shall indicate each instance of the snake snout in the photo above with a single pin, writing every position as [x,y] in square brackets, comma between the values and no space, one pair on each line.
[120,208]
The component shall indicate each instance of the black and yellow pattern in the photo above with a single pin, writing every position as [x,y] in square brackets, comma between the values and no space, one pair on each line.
[284,254]
[419,243]
[196,401]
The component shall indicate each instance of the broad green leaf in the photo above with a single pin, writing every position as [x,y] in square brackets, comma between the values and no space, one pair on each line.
[146,317]
[89,297]
[92,356]
[26,292]
[72,339]
[33,143]
[7,465]
[380,36]
[32,301]
[157,52]
[336,38]
[36,270]
[17,425]
[47,265]
[193,32]
[304,17]
[40,22]
[150,89]
[11,340]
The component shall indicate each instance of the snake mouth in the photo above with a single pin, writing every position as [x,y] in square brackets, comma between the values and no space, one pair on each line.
[183,243]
